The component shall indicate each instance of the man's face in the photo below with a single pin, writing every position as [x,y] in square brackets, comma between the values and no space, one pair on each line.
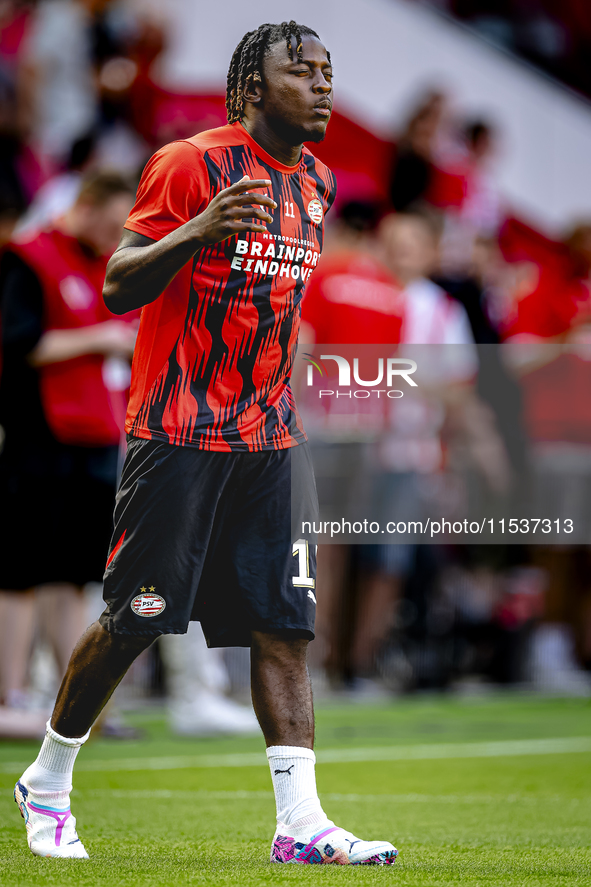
[409,247]
[296,97]
[100,227]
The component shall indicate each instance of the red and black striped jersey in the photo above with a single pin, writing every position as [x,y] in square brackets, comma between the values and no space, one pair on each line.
[214,352]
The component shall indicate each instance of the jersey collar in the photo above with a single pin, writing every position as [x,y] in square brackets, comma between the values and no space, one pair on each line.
[260,152]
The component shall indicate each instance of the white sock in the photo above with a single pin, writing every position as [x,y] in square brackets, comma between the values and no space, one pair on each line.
[294,782]
[52,771]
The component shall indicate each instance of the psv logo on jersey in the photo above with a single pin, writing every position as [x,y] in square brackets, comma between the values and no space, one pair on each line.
[315,211]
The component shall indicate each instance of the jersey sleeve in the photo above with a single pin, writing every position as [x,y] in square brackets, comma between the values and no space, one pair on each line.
[173,189]
[332,189]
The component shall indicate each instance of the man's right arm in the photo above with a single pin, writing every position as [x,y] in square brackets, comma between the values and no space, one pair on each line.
[140,269]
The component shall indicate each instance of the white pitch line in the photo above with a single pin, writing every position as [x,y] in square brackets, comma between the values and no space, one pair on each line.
[243,795]
[435,751]
[174,794]
[500,749]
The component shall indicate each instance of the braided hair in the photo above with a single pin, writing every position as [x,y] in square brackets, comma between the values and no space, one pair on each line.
[247,61]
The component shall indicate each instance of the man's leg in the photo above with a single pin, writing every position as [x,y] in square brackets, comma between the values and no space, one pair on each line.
[281,689]
[97,665]
[282,698]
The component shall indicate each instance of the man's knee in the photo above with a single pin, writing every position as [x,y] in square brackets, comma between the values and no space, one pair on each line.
[283,645]
[123,645]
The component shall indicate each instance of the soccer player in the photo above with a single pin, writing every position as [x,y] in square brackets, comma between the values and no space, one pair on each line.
[226,229]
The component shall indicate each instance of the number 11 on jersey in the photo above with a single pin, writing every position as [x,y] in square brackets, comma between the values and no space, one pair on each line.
[288,210]
[301,551]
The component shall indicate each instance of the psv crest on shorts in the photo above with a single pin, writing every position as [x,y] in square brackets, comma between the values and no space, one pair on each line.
[147,603]
[315,210]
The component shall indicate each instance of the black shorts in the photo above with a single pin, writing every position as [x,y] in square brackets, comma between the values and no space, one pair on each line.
[212,537]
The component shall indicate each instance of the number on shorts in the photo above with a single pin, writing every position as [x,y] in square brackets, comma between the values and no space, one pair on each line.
[303,579]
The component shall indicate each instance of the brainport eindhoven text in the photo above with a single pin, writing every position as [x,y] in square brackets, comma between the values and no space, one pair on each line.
[296,260]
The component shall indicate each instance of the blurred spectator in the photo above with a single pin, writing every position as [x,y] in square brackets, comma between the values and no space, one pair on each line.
[197,681]
[557,297]
[411,448]
[480,290]
[81,65]
[481,208]
[413,311]
[59,193]
[352,297]
[555,384]
[486,291]
[562,642]
[410,250]
[450,167]
[416,151]
[58,76]
[62,400]
[127,40]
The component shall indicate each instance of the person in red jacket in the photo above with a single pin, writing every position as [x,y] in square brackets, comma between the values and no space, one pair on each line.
[62,402]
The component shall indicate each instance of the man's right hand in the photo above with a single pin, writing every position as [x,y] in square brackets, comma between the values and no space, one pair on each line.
[140,268]
[237,208]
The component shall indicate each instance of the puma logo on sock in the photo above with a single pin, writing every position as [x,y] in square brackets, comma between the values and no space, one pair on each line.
[285,771]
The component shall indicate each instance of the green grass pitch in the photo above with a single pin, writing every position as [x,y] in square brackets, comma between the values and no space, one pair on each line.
[515,816]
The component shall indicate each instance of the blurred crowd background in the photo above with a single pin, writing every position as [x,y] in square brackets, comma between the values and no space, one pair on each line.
[423,248]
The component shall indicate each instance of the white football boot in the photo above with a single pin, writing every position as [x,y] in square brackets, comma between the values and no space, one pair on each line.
[51,828]
[328,844]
